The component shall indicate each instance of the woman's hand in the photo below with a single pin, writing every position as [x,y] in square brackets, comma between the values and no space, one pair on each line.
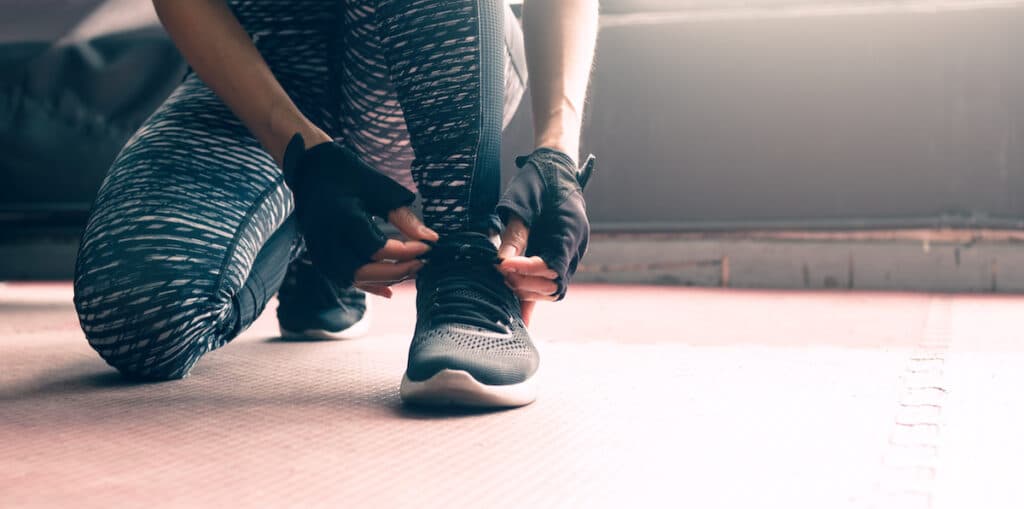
[546,225]
[560,36]
[397,260]
[336,197]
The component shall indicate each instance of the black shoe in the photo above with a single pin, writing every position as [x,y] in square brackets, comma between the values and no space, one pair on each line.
[471,347]
[310,307]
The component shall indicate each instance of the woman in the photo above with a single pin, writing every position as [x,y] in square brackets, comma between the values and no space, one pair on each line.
[307,106]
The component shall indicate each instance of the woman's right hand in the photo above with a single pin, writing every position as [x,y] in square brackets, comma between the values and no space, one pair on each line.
[336,197]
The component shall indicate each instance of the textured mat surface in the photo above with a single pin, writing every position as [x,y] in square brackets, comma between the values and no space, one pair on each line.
[651,396]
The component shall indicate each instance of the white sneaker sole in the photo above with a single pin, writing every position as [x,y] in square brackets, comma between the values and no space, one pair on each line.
[358,329]
[458,388]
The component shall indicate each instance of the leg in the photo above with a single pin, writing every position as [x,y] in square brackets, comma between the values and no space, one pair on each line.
[446,62]
[187,240]
[435,89]
[371,123]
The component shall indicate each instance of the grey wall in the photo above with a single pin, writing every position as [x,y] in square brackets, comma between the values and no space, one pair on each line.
[855,117]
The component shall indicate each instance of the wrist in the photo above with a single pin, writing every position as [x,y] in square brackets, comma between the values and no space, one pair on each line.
[561,135]
[558,127]
[568,145]
[284,124]
[313,135]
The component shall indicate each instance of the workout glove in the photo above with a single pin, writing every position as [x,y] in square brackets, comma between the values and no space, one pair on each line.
[547,195]
[336,195]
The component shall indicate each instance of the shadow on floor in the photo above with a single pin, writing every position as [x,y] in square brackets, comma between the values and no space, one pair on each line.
[86,390]
[428,413]
[80,383]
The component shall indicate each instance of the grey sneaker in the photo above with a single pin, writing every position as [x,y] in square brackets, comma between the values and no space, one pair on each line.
[471,347]
[310,307]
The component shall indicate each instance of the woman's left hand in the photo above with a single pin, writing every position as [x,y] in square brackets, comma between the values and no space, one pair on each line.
[546,225]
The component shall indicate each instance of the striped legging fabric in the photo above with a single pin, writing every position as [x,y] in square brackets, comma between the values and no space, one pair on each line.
[191,232]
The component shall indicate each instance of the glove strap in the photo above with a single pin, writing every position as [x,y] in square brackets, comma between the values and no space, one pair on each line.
[582,174]
[588,168]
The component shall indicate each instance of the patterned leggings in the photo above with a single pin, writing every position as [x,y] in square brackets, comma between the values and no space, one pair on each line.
[191,232]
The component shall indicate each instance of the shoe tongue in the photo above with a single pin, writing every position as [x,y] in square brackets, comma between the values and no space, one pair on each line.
[461,273]
[466,255]
[465,247]
[471,238]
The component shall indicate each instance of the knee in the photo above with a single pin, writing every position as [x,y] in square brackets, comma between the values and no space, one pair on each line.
[146,315]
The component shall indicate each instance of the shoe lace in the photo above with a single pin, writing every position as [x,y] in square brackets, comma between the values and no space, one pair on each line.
[467,293]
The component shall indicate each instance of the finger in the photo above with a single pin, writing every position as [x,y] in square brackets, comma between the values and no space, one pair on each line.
[400,251]
[406,221]
[526,307]
[522,283]
[382,291]
[532,266]
[513,239]
[532,296]
[385,274]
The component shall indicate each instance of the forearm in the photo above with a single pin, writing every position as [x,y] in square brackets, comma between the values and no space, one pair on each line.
[221,53]
[560,36]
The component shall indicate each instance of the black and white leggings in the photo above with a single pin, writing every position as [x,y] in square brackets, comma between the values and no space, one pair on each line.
[191,232]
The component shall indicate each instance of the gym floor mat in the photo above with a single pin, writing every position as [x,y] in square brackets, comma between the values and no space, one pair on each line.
[651,396]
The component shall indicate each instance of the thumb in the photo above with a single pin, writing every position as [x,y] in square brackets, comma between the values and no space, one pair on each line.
[513,239]
[527,310]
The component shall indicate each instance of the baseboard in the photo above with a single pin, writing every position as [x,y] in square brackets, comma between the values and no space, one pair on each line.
[963,260]
[948,260]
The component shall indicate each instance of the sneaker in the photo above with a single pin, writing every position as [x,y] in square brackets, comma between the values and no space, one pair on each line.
[310,307]
[471,347]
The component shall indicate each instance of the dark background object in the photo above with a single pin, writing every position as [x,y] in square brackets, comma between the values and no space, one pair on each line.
[79,77]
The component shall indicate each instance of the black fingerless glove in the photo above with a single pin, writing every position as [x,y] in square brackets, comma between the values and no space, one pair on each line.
[547,195]
[336,195]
